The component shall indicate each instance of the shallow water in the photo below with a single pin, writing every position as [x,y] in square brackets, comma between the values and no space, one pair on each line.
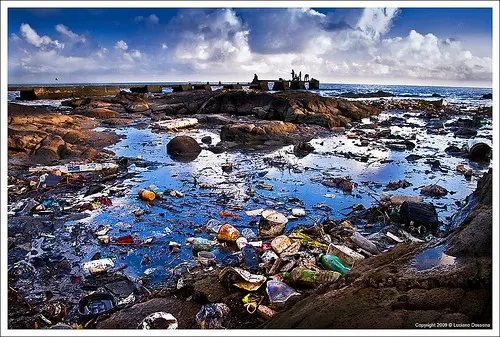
[175,219]
[433,257]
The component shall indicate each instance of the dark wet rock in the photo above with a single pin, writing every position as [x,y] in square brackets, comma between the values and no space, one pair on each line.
[454,151]
[488,96]
[76,102]
[129,318]
[183,147]
[465,132]
[436,95]
[474,236]
[206,140]
[345,184]
[217,149]
[367,95]
[140,106]
[434,191]
[302,149]
[413,157]
[465,123]
[421,213]
[394,185]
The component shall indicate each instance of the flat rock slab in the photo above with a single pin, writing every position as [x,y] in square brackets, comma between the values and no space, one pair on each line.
[130,318]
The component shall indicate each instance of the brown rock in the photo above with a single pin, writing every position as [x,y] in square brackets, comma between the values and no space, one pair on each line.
[99,113]
[258,132]
[140,106]
[51,148]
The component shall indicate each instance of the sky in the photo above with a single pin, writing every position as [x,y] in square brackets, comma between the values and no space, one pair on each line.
[421,46]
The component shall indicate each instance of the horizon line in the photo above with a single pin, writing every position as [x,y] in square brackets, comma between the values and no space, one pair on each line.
[233,82]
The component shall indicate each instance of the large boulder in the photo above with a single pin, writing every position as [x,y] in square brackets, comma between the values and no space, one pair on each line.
[183,148]
[51,148]
[296,107]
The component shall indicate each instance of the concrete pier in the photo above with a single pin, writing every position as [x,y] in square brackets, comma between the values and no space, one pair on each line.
[72,91]
[30,93]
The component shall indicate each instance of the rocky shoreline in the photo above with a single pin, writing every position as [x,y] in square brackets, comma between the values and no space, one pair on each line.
[383,291]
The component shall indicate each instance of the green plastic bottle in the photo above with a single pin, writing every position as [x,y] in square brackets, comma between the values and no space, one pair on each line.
[310,278]
[332,262]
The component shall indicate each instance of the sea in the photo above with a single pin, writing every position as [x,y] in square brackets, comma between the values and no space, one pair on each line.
[468,95]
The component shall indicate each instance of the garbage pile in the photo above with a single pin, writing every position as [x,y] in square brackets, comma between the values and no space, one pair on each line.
[270,267]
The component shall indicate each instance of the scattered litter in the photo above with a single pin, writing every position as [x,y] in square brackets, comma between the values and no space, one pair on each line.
[159,320]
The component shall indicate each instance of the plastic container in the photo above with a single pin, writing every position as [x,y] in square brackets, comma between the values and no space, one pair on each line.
[146,195]
[280,243]
[206,258]
[228,233]
[279,292]
[125,240]
[98,266]
[241,242]
[248,233]
[251,258]
[200,244]
[96,304]
[332,262]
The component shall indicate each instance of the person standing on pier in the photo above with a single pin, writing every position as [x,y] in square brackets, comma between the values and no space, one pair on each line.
[293,75]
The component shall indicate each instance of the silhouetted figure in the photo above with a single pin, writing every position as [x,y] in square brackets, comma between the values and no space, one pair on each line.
[300,75]
[293,75]
[306,77]
[255,78]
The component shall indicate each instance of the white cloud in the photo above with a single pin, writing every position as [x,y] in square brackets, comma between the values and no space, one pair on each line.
[220,38]
[101,53]
[376,21]
[427,56]
[32,37]
[14,37]
[152,19]
[64,30]
[121,45]
[164,45]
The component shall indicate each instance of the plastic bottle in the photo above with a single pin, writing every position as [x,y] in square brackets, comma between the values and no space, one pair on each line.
[332,262]
[279,292]
[310,278]
[146,195]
